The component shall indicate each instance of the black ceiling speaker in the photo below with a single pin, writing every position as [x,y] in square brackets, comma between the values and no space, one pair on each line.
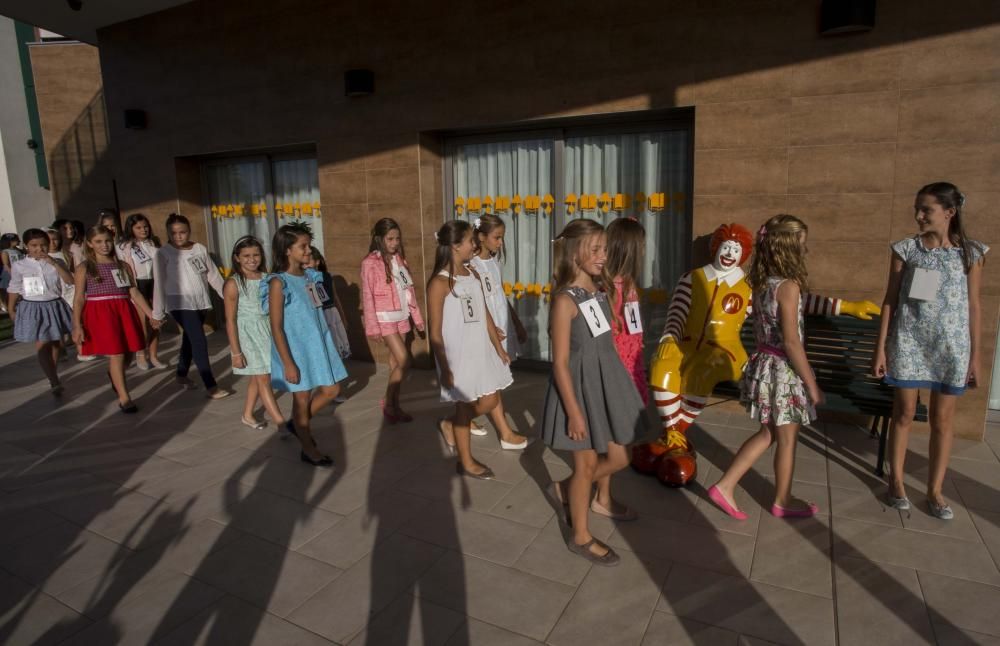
[359,82]
[846,16]
[135,119]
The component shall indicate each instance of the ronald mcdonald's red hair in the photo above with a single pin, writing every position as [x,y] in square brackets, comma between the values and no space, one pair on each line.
[734,232]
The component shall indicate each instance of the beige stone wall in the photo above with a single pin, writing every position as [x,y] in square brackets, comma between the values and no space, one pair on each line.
[841,131]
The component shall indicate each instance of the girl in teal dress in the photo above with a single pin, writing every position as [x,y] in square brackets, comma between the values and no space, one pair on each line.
[304,359]
[930,334]
[249,330]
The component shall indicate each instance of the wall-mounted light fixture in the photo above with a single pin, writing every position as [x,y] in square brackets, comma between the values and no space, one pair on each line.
[846,17]
[359,82]
[135,119]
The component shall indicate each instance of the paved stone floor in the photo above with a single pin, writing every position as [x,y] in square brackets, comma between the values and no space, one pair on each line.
[180,526]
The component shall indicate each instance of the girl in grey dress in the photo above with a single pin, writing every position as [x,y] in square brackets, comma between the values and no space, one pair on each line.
[930,332]
[592,407]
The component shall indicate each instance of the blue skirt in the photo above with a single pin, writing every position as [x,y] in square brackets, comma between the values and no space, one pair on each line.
[42,321]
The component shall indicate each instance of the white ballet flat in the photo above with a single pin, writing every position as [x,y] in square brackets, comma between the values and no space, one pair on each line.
[476,429]
[510,446]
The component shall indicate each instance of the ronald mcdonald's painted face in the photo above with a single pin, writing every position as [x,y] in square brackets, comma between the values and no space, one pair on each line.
[728,257]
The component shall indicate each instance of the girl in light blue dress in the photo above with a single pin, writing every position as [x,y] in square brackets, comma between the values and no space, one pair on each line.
[304,359]
[930,334]
[249,329]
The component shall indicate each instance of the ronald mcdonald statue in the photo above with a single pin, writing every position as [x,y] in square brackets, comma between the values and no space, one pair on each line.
[701,347]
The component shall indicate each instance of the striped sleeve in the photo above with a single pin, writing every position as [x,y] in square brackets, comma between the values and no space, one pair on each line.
[816,305]
[680,305]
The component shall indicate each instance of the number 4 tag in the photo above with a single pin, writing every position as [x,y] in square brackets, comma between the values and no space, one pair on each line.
[632,317]
[594,315]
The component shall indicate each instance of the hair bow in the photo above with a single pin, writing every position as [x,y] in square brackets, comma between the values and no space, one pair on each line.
[478,222]
[762,231]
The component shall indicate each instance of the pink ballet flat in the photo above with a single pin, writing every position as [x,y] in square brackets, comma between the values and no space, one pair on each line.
[784,512]
[720,500]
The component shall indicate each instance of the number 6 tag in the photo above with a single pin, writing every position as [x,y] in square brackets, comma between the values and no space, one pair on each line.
[633,320]
[594,315]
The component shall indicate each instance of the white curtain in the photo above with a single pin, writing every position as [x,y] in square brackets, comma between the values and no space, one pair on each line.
[648,174]
[236,192]
[511,170]
[296,195]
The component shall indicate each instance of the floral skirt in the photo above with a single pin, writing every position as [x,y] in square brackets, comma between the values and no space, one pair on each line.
[773,393]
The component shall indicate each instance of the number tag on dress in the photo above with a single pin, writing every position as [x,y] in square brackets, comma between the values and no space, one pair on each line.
[632,317]
[404,278]
[140,255]
[925,284]
[311,289]
[34,286]
[121,280]
[469,312]
[487,284]
[594,315]
[198,265]
[321,292]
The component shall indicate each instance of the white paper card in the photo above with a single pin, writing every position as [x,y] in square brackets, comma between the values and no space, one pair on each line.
[321,292]
[33,285]
[487,283]
[632,317]
[469,312]
[594,315]
[140,255]
[198,264]
[121,280]
[925,284]
[314,295]
[404,278]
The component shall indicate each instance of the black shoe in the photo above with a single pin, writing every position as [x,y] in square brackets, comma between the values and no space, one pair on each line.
[325,461]
[290,428]
[128,408]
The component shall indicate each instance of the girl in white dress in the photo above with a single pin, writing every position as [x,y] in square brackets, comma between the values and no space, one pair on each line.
[471,361]
[488,236]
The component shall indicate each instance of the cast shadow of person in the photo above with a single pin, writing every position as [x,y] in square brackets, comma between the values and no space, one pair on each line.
[402,587]
[257,509]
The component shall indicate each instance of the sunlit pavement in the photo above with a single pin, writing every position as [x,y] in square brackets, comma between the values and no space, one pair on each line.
[180,525]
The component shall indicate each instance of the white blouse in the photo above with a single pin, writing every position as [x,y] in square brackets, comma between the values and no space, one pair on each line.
[35,280]
[139,255]
[181,279]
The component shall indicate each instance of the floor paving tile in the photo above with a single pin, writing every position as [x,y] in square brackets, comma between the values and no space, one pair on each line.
[794,554]
[612,605]
[915,550]
[952,636]
[670,630]
[343,608]
[548,557]
[880,604]
[28,616]
[757,609]
[353,538]
[265,574]
[438,481]
[233,621]
[530,605]
[964,604]
[470,532]
[412,621]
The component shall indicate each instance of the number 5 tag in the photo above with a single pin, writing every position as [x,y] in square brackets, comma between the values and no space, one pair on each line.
[633,320]
[469,312]
[594,315]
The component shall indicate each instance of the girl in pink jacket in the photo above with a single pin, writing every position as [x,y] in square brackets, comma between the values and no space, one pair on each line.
[389,301]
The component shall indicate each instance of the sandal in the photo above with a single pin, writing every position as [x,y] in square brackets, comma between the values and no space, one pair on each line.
[252,423]
[608,559]
[601,510]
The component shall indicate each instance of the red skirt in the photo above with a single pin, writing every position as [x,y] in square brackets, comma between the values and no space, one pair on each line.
[111,327]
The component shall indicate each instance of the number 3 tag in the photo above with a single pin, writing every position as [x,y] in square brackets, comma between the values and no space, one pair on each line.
[632,318]
[594,315]
[121,280]
[469,312]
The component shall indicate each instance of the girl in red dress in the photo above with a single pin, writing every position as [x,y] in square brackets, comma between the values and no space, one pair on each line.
[105,320]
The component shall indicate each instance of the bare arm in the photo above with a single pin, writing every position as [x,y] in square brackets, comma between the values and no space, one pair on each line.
[975,280]
[436,293]
[889,305]
[80,282]
[137,297]
[61,269]
[564,310]
[276,310]
[788,314]
[231,299]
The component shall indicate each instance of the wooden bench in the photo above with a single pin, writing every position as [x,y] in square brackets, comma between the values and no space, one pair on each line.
[840,350]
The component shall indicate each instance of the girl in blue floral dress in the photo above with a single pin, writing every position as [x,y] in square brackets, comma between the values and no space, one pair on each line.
[778,387]
[304,359]
[930,332]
